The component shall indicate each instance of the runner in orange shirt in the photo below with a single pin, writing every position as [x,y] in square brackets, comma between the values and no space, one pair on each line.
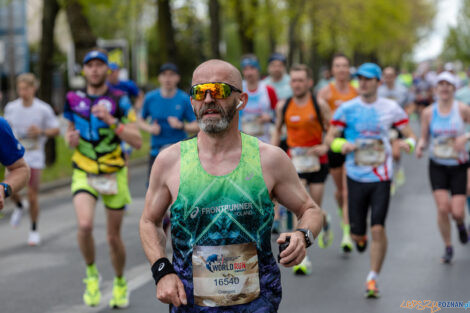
[306,121]
[335,93]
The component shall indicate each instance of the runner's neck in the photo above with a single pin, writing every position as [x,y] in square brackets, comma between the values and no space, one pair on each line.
[445,106]
[27,102]
[168,93]
[96,91]
[216,148]
[369,99]
[276,79]
[252,86]
[391,85]
[342,85]
[302,100]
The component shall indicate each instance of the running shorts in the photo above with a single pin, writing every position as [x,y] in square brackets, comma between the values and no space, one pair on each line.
[113,202]
[318,177]
[452,178]
[335,160]
[361,196]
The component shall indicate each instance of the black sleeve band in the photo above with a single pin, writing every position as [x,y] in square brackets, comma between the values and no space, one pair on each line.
[161,268]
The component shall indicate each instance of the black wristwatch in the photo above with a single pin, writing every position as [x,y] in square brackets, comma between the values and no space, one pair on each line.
[307,236]
[6,189]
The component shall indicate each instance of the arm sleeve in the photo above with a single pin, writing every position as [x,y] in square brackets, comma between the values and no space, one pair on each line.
[132,88]
[339,118]
[188,114]
[10,149]
[272,96]
[400,118]
[68,114]
[145,108]
[128,113]
[51,119]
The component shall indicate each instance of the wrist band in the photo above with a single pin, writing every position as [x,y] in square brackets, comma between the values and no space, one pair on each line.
[412,143]
[119,129]
[161,268]
[337,144]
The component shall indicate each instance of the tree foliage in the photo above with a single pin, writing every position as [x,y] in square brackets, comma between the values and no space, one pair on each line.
[457,42]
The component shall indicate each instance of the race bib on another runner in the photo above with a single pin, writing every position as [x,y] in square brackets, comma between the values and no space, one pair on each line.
[303,162]
[369,152]
[444,148]
[225,275]
[251,126]
[29,143]
[105,184]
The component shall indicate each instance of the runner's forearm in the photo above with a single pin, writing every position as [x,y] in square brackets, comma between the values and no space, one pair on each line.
[153,240]
[130,134]
[18,175]
[191,127]
[312,219]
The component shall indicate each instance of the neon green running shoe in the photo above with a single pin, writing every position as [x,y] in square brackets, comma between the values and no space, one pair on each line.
[346,242]
[92,295]
[120,299]
[400,177]
[325,238]
[304,268]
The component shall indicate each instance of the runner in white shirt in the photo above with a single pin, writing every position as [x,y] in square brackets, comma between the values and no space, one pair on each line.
[32,121]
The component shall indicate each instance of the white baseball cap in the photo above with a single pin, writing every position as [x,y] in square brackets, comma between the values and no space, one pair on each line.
[448,77]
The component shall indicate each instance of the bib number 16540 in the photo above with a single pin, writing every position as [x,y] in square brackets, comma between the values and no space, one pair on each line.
[227,281]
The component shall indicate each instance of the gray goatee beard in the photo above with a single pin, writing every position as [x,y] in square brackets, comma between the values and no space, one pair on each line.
[216,125]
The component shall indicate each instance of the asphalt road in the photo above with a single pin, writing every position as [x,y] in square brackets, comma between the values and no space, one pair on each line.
[48,278]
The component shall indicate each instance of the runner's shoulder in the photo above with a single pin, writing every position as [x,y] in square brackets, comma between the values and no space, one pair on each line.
[166,158]
[271,156]
[324,92]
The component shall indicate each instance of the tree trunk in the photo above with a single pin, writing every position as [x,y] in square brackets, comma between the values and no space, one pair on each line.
[46,66]
[215,27]
[83,37]
[166,33]
[296,10]
[246,25]
[271,30]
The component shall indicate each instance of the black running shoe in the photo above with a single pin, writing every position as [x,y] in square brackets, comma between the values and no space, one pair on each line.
[361,246]
[448,254]
[463,235]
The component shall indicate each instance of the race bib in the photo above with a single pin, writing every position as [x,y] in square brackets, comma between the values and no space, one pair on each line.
[444,148]
[303,162]
[251,126]
[225,275]
[369,152]
[29,143]
[105,184]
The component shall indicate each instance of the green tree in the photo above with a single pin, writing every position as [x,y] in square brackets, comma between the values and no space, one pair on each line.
[457,42]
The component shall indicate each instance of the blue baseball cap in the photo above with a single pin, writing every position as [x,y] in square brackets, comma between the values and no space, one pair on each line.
[277,57]
[250,61]
[369,70]
[113,66]
[168,67]
[95,54]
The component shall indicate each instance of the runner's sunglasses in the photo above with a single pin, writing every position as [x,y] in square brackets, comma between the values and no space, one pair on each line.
[217,90]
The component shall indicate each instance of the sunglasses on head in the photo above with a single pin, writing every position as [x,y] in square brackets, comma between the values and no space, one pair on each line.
[217,90]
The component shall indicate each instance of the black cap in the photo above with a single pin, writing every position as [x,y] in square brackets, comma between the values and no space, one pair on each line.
[277,56]
[168,67]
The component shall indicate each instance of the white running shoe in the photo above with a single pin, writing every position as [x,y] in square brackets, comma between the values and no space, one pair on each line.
[34,239]
[15,218]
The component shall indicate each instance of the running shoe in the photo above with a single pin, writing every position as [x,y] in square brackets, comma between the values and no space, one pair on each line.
[361,246]
[463,235]
[325,238]
[448,254]
[346,242]
[400,177]
[393,189]
[372,292]
[92,295]
[120,299]
[15,218]
[304,268]
[34,238]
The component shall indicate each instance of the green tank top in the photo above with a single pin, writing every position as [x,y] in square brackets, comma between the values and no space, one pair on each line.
[223,210]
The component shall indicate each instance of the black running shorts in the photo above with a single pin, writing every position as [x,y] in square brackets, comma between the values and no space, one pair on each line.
[361,196]
[335,160]
[452,178]
[318,177]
